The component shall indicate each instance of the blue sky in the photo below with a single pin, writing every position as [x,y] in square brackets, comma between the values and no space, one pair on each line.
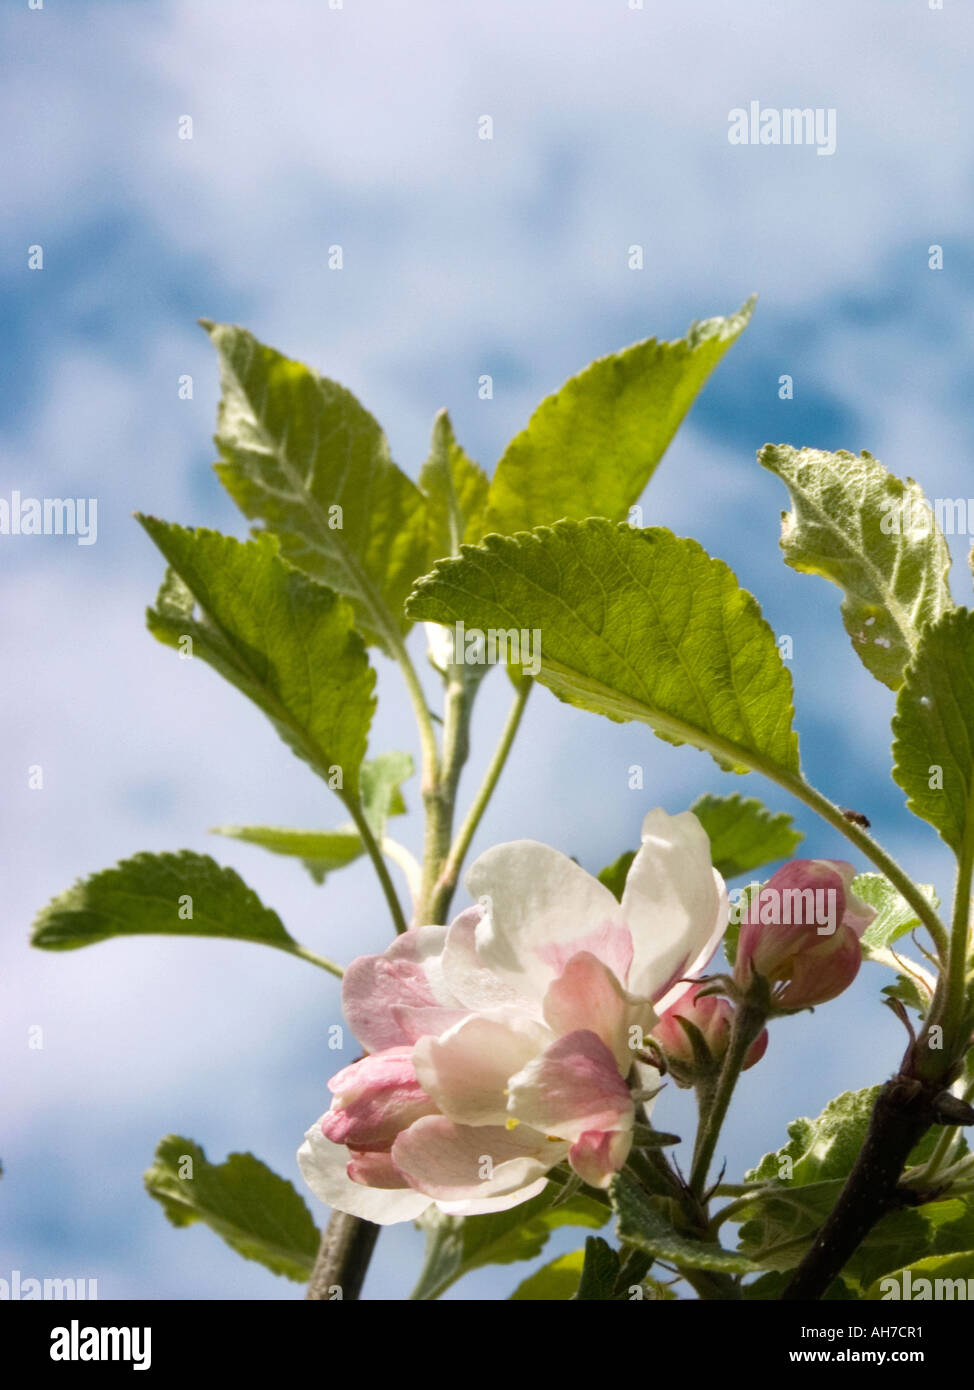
[358,126]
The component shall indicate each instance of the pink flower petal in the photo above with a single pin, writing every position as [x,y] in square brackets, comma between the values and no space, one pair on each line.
[574,1086]
[375,985]
[597,1155]
[375,1098]
[610,943]
[373,1169]
[452,1162]
[588,995]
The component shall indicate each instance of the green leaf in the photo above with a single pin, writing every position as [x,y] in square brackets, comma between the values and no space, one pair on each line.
[770,1287]
[150,894]
[634,625]
[599,1272]
[933,729]
[641,1225]
[779,1226]
[257,1213]
[323,851]
[456,492]
[284,640]
[780,1223]
[894,915]
[614,875]
[939,1273]
[456,1245]
[381,788]
[591,448]
[908,991]
[745,835]
[876,538]
[301,454]
[556,1280]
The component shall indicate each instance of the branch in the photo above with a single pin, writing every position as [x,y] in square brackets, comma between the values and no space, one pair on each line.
[905,1109]
[343,1259]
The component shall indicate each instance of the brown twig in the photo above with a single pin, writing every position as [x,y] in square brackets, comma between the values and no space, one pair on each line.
[343,1259]
[905,1109]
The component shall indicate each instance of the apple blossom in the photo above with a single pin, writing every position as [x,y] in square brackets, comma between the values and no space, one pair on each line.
[801,933]
[503,1045]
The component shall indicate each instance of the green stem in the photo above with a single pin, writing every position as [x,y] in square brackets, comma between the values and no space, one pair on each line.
[748,1022]
[725,1213]
[322,961]
[378,863]
[446,884]
[427,735]
[931,1169]
[439,799]
[955,1000]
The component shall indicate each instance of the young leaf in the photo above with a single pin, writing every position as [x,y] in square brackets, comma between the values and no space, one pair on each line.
[599,1272]
[634,625]
[284,640]
[745,835]
[182,894]
[456,492]
[257,1213]
[807,1176]
[874,536]
[554,1281]
[301,454]
[933,729]
[894,915]
[591,448]
[908,991]
[323,851]
[641,1225]
[320,851]
[381,788]
[456,1245]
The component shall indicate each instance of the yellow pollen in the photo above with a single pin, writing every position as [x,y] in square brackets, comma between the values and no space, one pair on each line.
[511,1123]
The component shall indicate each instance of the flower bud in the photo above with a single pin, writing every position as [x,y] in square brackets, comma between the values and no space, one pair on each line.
[714,1017]
[801,933]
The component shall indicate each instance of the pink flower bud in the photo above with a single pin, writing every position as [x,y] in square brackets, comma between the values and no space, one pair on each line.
[714,1017]
[374,1100]
[801,933]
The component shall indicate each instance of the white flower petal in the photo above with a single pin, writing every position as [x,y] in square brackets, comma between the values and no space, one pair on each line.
[464,974]
[466,1071]
[676,906]
[512,1199]
[322,1165]
[537,900]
